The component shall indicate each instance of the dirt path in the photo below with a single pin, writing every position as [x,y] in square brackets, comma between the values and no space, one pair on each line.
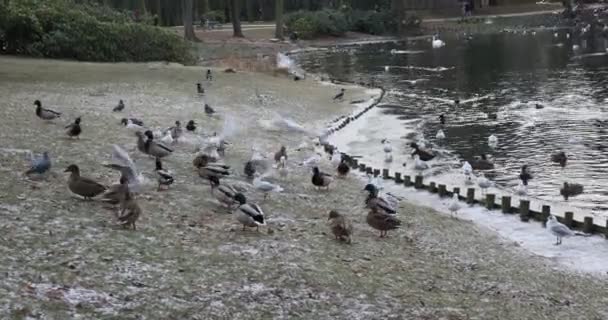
[62,257]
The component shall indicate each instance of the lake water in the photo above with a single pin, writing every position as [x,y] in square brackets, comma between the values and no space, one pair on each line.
[502,74]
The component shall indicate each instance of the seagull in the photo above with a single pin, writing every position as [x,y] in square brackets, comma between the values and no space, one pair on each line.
[492,141]
[340,95]
[484,183]
[387,146]
[440,135]
[265,186]
[558,229]
[521,190]
[282,167]
[467,171]
[420,165]
[454,205]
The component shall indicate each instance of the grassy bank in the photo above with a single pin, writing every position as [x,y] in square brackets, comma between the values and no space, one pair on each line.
[63,257]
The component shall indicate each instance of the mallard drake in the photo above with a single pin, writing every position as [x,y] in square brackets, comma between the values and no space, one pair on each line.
[558,229]
[214,170]
[222,192]
[116,193]
[320,179]
[373,200]
[74,129]
[482,163]
[165,179]
[119,107]
[382,221]
[340,95]
[39,165]
[191,126]
[525,175]
[560,157]
[343,168]
[249,169]
[45,114]
[202,160]
[208,110]
[249,215]
[425,155]
[265,186]
[570,190]
[155,149]
[85,187]
[129,211]
[281,153]
[340,226]
[199,89]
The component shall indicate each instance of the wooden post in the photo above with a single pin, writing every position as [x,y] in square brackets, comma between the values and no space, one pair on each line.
[606,235]
[471,195]
[524,210]
[588,225]
[362,167]
[490,200]
[568,218]
[432,187]
[545,213]
[442,189]
[398,177]
[407,181]
[369,170]
[384,173]
[457,191]
[376,172]
[354,163]
[418,182]
[506,204]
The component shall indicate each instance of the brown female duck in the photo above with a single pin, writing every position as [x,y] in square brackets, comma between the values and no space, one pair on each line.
[82,186]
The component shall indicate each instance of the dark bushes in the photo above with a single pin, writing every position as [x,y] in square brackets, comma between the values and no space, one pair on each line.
[63,29]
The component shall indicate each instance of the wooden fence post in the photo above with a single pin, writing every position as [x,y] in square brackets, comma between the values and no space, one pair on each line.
[524,210]
[568,218]
[471,195]
[490,200]
[442,190]
[418,182]
[506,204]
[376,172]
[384,173]
[369,170]
[398,177]
[362,167]
[546,212]
[457,191]
[407,181]
[588,225]
[432,187]
[354,163]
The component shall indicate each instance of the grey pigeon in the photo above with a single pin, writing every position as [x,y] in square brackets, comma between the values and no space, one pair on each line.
[40,165]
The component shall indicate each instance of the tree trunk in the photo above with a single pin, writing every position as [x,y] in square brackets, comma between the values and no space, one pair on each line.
[203,7]
[187,17]
[250,10]
[235,10]
[278,33]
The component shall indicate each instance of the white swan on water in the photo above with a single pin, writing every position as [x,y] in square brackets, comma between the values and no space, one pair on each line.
[437,43]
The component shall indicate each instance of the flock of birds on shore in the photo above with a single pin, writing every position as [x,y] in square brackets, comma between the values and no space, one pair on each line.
[210,166]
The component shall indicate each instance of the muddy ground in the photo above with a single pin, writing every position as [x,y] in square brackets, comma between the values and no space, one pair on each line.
[62,257]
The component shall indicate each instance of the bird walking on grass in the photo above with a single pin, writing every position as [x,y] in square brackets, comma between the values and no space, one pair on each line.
[165,179]
[82,186]
[209,76]
[248,214]
[454,205]
[382,221]
[74,129]
[340,226]
[119,107]
[130,211]
[224,193]
[377,202]
[39,165]
[343,168]
[45,114]
[340,95]
[320,179]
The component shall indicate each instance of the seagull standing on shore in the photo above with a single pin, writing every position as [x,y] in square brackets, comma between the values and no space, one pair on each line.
[420,165]
[454,205]
[484,183]
[558,229]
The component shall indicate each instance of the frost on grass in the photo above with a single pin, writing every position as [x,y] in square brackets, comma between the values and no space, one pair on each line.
[63,258]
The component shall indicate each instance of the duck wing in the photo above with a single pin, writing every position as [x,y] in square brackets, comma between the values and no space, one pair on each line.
[254,211]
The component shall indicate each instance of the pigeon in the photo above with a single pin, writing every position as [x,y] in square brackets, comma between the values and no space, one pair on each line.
[40,165]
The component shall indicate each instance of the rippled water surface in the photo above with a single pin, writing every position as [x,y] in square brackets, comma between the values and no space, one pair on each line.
[504,75]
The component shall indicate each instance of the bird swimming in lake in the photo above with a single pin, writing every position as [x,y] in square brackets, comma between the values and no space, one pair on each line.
[39,165]
[45,114]
[191,126]
[374,200]
[482,163]
[382,221]
[340,95]
[454,205]
[442,119]
[320,179]
[224,193]
[492,141]
[558,229]
[208,110]
[165,179]
[209,76]
[249,215]
[424,154]
[560,157]
[343,168]
[199,89]
[440,135]
[119,107]
[525,175]
[570,190]
[340,226]
[82,186]
[74,129]
[437,43]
